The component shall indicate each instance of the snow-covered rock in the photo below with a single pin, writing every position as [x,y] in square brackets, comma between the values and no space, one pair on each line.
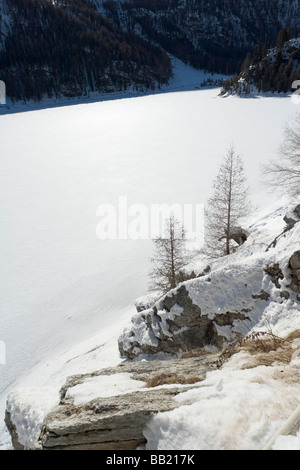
[240,291]
[105,409]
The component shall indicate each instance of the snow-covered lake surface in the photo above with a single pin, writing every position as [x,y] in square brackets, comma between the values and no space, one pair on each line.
[66,294]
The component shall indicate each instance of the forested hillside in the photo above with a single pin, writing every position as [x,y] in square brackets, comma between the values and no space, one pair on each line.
[274,69]
[214,35]
[68,49]
[77,47]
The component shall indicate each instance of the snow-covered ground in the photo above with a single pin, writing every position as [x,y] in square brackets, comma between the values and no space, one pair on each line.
[240,406]
[65,294]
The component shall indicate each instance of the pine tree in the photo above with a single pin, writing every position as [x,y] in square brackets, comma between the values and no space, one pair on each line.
[228,204]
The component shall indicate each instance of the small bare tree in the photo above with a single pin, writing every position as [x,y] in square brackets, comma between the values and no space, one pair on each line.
[285,174]
[170,257]
[228,204]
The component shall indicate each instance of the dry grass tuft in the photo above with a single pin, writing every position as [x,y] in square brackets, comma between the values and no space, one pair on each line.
[265,347]
[282,356]
[197,352]
[168,379]
[262,342]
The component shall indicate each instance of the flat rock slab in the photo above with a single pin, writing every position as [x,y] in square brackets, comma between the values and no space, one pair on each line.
[117,422]
[113,423]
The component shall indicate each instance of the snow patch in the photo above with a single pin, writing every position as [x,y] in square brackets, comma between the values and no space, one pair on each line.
[28,419]
[103,386]
[232,409]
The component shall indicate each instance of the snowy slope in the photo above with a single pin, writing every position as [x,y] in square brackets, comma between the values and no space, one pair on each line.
[233,286]
[184,78]
[239,406]
[65,293]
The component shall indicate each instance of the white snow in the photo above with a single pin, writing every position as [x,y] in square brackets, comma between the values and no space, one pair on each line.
[287,442]
[66,295]
[28,419]
[237,407]
[232,409]
[103,386]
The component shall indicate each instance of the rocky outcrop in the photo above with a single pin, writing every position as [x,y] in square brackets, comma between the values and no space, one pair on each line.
[275,273]
[186,318]
[116,422]
[17,445]
[220,306]
[292,218]
[294,266]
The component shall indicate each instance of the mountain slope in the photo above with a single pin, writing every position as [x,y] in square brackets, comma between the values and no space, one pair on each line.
[213,35]
[238,404]
[77,47]
[272,70]
[68,49]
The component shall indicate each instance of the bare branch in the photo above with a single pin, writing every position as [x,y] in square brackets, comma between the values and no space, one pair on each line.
[170,257]
[285,175]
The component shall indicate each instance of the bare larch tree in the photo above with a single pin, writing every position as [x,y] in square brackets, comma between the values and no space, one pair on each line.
[226,207]
[170,257]
[284,175]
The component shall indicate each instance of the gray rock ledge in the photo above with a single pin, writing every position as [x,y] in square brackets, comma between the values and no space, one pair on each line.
[117,422]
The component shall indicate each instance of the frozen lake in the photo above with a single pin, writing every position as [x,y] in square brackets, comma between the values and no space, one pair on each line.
[59,282]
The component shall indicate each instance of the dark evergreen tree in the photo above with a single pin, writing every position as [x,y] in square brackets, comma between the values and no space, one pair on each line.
[270,70]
